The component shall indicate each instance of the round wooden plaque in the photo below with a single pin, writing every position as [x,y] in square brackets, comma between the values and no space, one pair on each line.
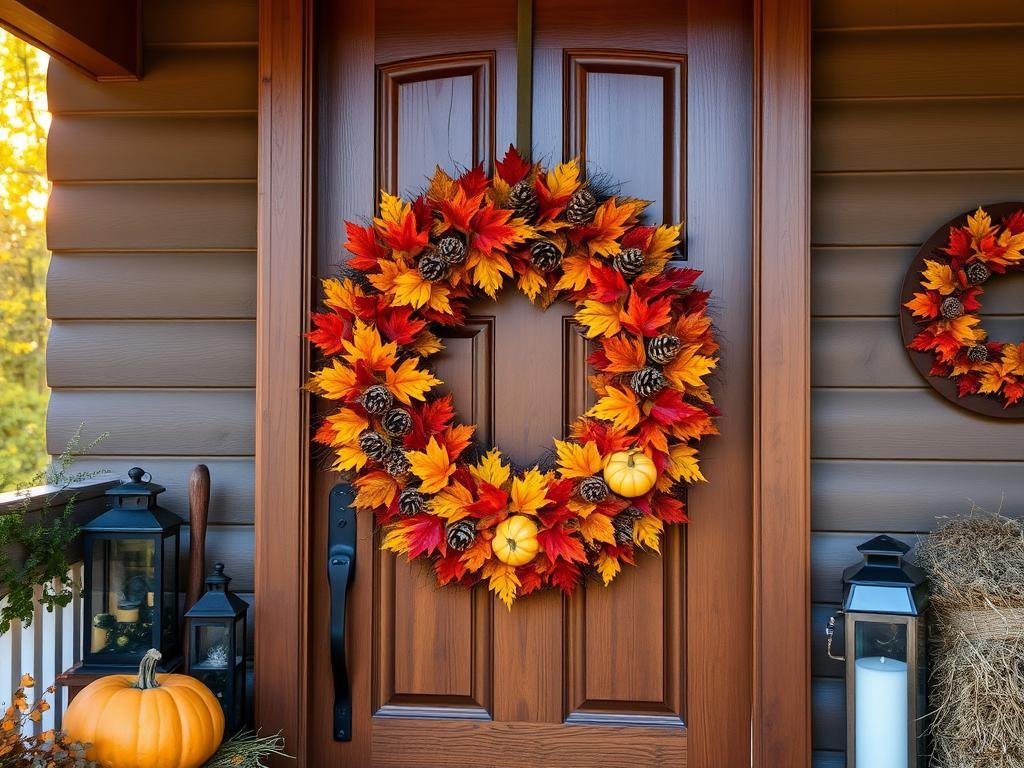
[987,405]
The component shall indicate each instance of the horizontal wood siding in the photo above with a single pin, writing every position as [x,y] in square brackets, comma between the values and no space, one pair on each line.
[152,284]
[916,116]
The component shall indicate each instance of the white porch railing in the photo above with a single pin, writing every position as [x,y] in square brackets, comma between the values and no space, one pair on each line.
[51,644]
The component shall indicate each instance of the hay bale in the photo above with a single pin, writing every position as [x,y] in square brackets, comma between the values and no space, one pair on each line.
[976,567]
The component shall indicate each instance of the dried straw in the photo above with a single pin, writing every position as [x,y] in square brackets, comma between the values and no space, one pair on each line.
[976,567]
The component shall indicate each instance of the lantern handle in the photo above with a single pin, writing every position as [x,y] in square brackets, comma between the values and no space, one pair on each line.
[830,631]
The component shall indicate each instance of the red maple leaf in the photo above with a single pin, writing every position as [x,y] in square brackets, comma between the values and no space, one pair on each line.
[668,408]
[529,579]
[474,181]
[398,324]
[959,242]
[669,508]
[565,576]
[407,236]
[1015,222]
[424,534]
[331,329]
[428,419]
[450,568]
[1012,391]
[637,237]
[968,384]
[512,168]
[490,507]
[560,544]
[548,205]
[646,319]
[458,210]
[423,212]
[491,230]
[366,250]
[969,298]
[607,285]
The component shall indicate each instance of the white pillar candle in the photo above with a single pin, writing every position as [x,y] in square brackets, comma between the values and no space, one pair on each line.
[881,712]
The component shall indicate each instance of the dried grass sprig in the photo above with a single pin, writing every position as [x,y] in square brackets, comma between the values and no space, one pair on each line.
[247,749]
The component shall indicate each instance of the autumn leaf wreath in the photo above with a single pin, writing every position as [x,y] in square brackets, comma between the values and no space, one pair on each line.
[948,309]
[619,476]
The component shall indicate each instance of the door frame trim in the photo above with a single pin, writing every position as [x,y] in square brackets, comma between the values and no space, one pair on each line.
[781,396]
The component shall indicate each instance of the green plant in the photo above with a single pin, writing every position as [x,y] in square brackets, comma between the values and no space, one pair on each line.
[34,542]
[21,749]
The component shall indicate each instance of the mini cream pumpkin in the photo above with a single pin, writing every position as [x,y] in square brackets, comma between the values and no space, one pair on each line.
[149,721]
[630,473]
[515,540]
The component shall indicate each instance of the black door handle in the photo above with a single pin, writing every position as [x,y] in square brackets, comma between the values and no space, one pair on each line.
[341,562]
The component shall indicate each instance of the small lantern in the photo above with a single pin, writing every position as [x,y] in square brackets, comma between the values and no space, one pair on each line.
[131,580]
[216,645]
[883,602]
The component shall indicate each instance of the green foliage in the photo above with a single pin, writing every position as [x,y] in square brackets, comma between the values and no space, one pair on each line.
[23,258]
[34,542]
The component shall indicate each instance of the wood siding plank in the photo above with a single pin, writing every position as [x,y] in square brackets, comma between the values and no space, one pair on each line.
[901,208]
[200,21]
[123,216]
[151,354]
[821,664]
[968,61]
[910,495]
[176,80]
[231,482]
[827,759]
[915,135]
[151,285]
[191,422]
[146,147]
[869,352]
[829,697]
[231,545]
[850,282]
[914,13]
[905,424]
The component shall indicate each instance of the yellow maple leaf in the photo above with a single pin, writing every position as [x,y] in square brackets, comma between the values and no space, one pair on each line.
[575,273]
[575,460]
[334,382]
[611,220]
[432,466]
[1012,363]
[477,554]
[396,540]
[451,502]
[441,187]
[348,457]
[531,282]
[488,270]
[600,319]
[347,426]
[438,300]
[688,368]
[647,532]
[376,489]
[1011,244]
[502,581]
[392,210]
[341,294]
[384,281]
[490,469]
[980,224]
[662,247]
[608,567]
[597,527]
[367,345]
[618,406]
[564,179]
[991,380]
[938,277]
[579,507]
[409,383]
[527,492]
[411,288]
[964,329]
[683,464]
[425,344]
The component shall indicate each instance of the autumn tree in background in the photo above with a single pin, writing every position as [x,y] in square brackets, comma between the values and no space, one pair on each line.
[23,260]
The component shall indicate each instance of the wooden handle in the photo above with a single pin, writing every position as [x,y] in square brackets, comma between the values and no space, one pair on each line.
[199,508]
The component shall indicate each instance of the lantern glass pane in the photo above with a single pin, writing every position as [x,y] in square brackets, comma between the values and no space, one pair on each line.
[881,680]
[169,609]
[868,598]
[238,704]
[211,654]
[123,573]
[240,639]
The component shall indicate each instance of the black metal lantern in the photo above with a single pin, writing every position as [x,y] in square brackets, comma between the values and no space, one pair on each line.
[216,645]
[884,599]
[131,580]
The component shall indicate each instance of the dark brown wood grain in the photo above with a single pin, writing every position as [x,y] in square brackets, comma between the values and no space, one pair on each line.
[102,40]
[198,511]
[782,372]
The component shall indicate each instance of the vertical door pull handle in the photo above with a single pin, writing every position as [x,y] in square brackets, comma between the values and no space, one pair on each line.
[341,562]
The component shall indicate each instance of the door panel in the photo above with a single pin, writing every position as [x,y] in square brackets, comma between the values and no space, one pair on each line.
[614,677]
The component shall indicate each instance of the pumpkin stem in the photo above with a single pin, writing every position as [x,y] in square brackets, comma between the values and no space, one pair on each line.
[147,670]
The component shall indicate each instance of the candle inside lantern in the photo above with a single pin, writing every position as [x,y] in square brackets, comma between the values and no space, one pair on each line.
[881,712]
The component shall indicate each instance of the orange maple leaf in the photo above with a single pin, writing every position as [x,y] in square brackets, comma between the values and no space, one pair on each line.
[366,346]
[619,406]
[624,353]
[575,460]
[432,466]
[939,277]
[925,305]
[609,223]
[527,492]
[408,382]
[376,489]
[600,318]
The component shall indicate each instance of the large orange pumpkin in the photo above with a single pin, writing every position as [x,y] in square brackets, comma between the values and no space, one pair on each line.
[149,721]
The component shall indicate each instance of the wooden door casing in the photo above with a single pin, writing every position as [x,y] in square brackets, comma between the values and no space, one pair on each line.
[610,663]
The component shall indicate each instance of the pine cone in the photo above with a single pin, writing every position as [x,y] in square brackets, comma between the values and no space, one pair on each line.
[581,207]
[433,267]
[374,445]
[593,489]
[978,353]
[629,262]
[623,525]
[460,535]
[396,464]
[648,382]
[523,199]
[411,501]
[451,249]
[977,273]
[664,348]
[951,307]
[545,255]
[397,422]
[376,399]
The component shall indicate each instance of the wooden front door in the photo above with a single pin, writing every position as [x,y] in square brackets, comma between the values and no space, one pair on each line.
[655,670]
